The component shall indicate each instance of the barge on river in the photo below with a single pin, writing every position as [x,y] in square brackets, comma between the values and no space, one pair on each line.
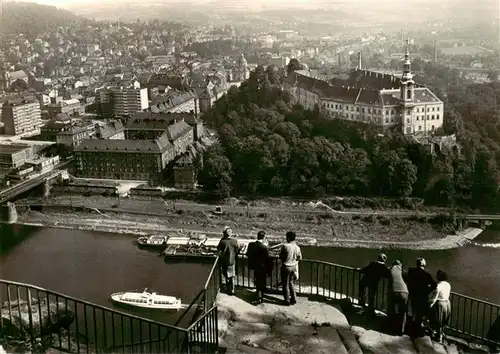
[153,241]
[202,247]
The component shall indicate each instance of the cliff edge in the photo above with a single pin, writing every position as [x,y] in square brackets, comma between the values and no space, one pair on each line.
[308,327]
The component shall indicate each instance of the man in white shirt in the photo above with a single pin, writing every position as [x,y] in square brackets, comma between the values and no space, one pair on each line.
[290,256]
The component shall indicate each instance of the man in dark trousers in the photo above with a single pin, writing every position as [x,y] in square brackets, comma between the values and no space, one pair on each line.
[398,299]
[260,262]
[372,274]
[420,285]
[228,251]
[290,255]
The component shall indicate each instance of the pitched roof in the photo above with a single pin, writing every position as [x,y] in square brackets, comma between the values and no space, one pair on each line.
[109,129]
[423,94]
[130,146]
[178,129]
[365,91]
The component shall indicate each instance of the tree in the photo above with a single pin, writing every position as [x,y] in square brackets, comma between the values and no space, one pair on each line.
[292,66]
[273,75]
[216,174]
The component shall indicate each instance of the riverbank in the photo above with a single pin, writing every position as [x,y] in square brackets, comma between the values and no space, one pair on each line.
[126,223]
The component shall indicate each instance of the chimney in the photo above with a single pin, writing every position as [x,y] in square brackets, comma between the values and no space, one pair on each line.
[359,60]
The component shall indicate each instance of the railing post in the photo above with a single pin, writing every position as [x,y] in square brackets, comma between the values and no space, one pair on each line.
[205,300]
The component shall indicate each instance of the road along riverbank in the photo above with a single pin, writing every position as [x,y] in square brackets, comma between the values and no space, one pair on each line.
[339,234]
[315,219]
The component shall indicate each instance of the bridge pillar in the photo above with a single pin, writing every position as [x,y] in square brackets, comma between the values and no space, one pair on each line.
[8,213]
[45,189]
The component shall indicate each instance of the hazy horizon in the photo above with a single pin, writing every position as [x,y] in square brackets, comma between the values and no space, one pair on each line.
[259,3]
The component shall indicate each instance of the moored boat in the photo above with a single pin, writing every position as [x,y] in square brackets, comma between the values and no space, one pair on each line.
[148,300]
[156,241]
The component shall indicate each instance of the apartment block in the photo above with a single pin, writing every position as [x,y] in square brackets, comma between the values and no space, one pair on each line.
[123,101]
[21,117]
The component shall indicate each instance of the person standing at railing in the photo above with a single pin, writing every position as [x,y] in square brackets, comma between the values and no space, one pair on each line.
[372,274]
[228,250]
[290,255]
[440,305]
[420,284]
[260,262]
[398,298]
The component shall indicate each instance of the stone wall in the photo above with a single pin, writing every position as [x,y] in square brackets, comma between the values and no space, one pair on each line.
[8,213]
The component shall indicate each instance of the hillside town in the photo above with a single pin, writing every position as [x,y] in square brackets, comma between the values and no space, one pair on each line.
[126,100]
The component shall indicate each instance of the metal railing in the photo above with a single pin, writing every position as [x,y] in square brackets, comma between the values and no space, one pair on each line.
[470,317]
[203,334]
[34,319]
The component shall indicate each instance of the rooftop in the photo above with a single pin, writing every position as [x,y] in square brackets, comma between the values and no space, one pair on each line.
[158,145]
[12,148]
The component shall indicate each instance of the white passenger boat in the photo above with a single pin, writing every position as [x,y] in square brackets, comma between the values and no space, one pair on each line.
[148,300]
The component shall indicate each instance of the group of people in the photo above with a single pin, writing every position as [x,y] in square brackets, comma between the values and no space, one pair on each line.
[429,299]
[261,262]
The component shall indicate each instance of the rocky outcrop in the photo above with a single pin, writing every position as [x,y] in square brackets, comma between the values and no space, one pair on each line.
[308,327]
[20,319]
[49,344]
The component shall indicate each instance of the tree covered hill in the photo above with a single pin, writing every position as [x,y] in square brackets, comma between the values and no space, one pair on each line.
[269,146]
[32,19]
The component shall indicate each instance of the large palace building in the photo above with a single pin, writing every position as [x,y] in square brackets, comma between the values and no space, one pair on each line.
[384,100]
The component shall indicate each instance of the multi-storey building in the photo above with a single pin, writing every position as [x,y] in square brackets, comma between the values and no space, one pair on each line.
[21,117]
[371,97]
[72,133]
[149,125]
[123,101]
[14,155]
[71,107]
[124,159]
[139,157]
[67,132]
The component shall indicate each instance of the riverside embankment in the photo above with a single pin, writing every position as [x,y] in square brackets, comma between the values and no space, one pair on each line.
[383,229]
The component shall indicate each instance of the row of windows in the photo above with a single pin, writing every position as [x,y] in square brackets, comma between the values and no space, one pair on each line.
[369,110]
[432,117]
[83,167]
[115,175]
[140,301]
[420,127]
[428,109]
[375,110]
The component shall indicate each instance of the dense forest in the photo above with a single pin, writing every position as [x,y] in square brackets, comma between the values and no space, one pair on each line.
[268,146]
[33,19]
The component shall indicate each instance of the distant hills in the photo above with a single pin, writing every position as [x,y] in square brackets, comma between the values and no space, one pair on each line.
[33,19]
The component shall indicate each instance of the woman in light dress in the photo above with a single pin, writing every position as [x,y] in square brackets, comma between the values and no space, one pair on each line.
[440,305]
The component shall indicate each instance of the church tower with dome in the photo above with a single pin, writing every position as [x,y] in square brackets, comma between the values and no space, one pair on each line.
[241,72]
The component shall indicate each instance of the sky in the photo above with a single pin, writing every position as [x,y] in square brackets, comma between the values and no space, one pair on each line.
[78,5]
[65,3]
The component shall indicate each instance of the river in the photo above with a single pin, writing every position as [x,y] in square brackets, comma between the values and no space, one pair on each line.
[92,265]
